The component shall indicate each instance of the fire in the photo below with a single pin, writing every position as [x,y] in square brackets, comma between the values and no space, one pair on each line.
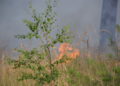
[68,50]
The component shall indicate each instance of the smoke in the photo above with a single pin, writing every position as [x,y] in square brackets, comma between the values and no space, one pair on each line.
[81,15]
[118,13]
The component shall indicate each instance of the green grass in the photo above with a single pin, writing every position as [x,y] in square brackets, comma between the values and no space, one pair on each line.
[80,72]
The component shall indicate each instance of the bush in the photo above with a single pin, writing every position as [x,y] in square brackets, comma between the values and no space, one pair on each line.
[39,61]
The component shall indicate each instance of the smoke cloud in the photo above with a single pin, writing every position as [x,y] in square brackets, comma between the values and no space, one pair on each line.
[81,15]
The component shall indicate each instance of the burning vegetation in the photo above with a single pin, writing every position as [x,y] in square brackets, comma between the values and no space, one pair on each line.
[36,67]
[68,50]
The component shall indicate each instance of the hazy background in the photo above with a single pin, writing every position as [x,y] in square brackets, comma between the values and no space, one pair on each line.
[82,15]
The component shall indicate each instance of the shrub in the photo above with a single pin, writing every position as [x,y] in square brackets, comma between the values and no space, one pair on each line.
[39,61]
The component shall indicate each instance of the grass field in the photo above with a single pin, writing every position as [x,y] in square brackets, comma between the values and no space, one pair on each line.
[79,72]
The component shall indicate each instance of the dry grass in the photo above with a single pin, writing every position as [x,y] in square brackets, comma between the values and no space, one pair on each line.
[8,76]
[80,72]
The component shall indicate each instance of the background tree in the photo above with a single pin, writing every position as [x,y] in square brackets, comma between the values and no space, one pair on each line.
[108,24]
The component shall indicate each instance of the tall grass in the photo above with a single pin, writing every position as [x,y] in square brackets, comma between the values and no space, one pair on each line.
[80,72]
[9,76]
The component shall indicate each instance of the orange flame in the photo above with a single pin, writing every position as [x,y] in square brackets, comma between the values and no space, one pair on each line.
[68,50]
